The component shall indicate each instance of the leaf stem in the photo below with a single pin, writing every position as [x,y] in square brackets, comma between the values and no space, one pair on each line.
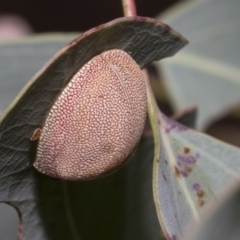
[129,8]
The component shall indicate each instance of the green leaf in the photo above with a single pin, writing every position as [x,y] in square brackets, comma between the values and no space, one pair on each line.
[193,169]
[22,58]
[109,208]
[119,206]
[206,73]
[221,221]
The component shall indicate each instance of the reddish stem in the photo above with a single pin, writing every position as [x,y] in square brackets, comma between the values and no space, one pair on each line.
[129,8]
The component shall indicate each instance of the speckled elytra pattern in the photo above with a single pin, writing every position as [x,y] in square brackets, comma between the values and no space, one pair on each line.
[96,123]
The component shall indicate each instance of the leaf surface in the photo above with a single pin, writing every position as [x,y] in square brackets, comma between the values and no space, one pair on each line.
[205,73]
[22,58]
[222,220]
[191,169]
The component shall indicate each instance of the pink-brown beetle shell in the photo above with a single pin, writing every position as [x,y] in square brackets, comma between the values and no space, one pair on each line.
[96,122]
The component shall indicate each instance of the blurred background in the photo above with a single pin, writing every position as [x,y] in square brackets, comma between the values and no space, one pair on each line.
[71,15]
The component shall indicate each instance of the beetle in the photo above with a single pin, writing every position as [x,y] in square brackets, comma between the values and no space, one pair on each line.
[96,122]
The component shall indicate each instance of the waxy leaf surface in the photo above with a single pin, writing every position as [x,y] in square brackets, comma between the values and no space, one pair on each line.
[207,71]
[222,220]
[20,59]
[193,169]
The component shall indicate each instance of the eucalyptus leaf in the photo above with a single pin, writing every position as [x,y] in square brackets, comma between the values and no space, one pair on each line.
[193,170]
[206,73]
[109,208]
[22,58]
[222,220]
